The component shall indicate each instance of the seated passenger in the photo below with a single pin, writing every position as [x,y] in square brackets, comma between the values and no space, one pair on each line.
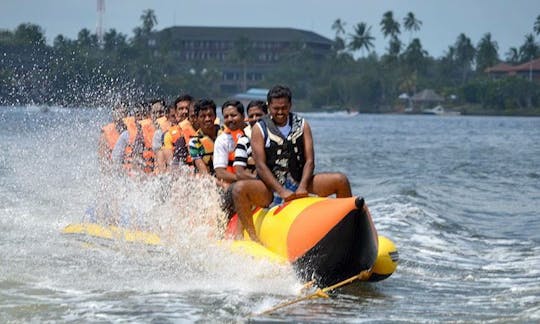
[201,146]
[282,146]
[233,117]
[244,165]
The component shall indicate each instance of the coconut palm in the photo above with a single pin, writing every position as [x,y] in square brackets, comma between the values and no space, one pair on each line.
[389,26]
[537,25]
[149,21]
[414,55]
[529,50]
[339,27]
[411,24]
[361,39]
[512,56]
[339,43]
[486,54]
[465,53]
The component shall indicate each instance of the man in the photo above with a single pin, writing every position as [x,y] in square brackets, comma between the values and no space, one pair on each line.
[175,141]
[225,144]
[282,146]
[109,136]
[122,153]
[201,146]
[244,165]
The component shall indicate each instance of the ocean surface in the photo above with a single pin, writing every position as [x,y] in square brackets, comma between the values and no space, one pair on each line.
[459,196]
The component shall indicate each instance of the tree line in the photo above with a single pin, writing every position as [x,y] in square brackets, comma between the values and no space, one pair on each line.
[87,71]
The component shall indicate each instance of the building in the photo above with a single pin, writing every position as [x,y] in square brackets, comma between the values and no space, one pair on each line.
[529,70]
[244,55]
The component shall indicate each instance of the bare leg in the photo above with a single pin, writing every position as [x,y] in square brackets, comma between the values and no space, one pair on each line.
[247,193]
[326,184]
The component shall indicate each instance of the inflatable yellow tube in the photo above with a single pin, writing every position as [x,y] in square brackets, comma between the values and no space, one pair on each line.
[325,239]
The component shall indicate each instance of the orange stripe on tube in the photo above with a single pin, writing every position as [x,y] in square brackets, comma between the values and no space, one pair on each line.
[314,222]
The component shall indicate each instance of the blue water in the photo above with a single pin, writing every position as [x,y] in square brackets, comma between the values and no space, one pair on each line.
[458,195]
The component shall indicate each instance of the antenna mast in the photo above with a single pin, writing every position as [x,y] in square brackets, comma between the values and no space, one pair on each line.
[99,27]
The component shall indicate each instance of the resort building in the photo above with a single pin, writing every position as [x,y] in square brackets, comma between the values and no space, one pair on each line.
[529,70]
[244,55]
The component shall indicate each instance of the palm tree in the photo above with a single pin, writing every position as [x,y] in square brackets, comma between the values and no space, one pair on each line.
[339,27]
[149,21]
[512,56]
[389,26]
[361,39]
[141,33]
[486,54]
[537,25]
[411,24]
[339,43]
[529,50]
[465,53]
[414,55]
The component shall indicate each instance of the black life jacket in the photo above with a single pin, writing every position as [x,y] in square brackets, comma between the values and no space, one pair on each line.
[284,155]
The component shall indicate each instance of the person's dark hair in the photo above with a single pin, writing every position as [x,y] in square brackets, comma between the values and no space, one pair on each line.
[279,91]
[184,97]
[140,108]
[203,104]
[258,103]
[169,108]
[154,101]
[239,106]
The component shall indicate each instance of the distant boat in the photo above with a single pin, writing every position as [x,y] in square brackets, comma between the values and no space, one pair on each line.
[251,94]
[439,110]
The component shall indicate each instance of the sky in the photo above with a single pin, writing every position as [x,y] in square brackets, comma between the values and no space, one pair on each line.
[508,21]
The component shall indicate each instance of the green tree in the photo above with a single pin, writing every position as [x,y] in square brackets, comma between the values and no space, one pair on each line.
[414,56]
[361,39]
[465,54]
[339,43]
[411,24]
[536,27]
[29,34]
[487,53]
[512,56]
[114,41]
[389,26]
[529,50]
[87,40]
[339,27]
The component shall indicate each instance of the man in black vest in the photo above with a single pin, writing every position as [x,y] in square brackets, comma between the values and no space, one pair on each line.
[282,146]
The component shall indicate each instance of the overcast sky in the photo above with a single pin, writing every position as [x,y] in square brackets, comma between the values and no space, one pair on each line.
[443,20]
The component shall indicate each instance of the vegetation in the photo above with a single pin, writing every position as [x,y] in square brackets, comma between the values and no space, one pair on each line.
[92,72]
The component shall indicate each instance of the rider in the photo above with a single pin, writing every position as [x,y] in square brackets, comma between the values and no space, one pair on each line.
[282,146]
[201,146]
[244,165]
[224,147]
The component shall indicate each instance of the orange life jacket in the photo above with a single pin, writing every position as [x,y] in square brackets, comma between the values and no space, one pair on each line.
[132,130]
[111,135]
[164,123]
[235,135]
[148,130]
[189,132]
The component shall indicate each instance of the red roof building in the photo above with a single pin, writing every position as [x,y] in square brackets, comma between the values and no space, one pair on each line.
[529,70]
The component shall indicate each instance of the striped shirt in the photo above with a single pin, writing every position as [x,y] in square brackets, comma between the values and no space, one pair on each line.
[242,151]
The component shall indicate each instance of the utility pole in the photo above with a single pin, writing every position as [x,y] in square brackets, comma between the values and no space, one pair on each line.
[99,27]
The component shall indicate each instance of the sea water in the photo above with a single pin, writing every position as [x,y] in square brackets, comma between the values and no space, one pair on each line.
[458,195]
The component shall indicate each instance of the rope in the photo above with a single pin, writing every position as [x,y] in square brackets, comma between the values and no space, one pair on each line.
[319,293]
